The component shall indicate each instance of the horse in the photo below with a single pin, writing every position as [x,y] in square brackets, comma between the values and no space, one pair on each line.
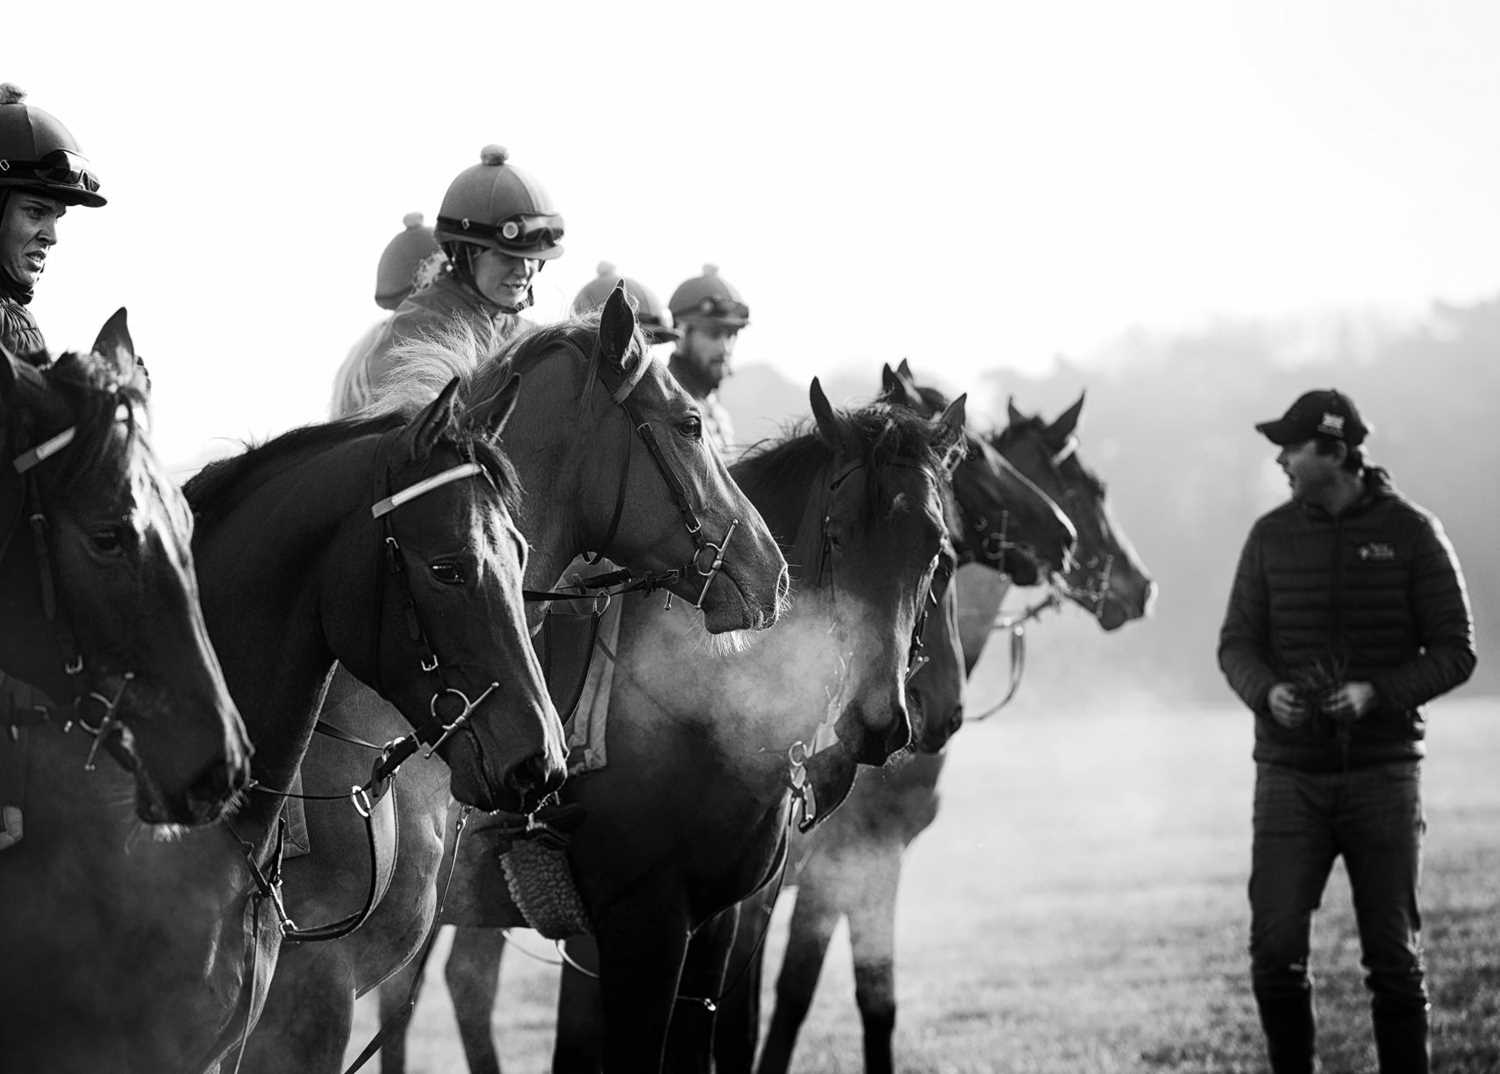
[385,544]
[98,602]
[708,758]
[996,501]
[653,518]
[851,866]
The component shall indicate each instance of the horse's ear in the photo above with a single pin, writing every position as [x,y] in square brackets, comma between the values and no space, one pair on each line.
[114,342]
[830,429]
[949,432]
[490,419]
[1066,422]
[905,370]
[435,421]
[897,387]
[616,327]
[1016,417]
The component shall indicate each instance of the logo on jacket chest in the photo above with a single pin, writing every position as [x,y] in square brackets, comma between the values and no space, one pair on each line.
[1377,552]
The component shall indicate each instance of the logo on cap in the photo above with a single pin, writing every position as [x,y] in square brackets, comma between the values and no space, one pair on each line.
[1332,424]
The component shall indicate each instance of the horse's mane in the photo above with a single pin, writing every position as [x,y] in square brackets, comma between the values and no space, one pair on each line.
[211,490]
[476,355]
[789,468]
[99,393]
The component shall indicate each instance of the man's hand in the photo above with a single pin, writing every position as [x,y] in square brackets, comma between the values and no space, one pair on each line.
[10,826]
[1349,702]
[1287,707]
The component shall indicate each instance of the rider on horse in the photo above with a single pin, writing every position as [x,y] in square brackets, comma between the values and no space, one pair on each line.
[711,313]
[42,172]
[496,226]
[650,312]
[409,263]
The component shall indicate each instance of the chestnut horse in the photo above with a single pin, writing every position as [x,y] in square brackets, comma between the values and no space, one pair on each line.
[98,602]
[589,391]
[385,544]
[852,866]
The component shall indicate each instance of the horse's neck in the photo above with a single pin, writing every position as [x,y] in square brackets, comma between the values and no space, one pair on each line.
[981,591]
[551,440]
[258,568]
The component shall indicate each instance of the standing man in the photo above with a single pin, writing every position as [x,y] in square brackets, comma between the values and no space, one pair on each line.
[1348,613]
[710,313]
[42,172]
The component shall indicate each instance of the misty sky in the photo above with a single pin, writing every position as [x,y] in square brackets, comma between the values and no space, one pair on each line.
[966,185]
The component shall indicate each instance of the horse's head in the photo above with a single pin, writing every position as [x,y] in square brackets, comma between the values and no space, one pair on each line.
[1008,523]
[647,488]
[100,603]
[1107,579]
[871,535]
[452,650]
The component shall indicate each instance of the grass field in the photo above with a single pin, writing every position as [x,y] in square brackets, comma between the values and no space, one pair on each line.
[1079,907]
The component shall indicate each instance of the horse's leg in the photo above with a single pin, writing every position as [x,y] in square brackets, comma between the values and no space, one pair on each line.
[872,936]
[643,939]
[737,1027]
[815,915]
[690,1043]
[579,1047]
[398,1003]
[472,973]
[308,1016]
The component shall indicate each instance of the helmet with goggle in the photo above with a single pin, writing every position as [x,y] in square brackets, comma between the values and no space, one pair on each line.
[655,319]
[494,203]
[709,299]
[37,153]
[412,248]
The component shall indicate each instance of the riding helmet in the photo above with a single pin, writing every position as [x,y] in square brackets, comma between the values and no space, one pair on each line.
[654,317]
[709,299]
[37,153]
[494,203]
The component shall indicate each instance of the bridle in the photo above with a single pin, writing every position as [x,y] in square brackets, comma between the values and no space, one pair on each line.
[704,551]
[32,509]
[438,727]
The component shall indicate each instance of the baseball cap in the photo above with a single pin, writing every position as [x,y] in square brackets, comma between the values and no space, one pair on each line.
[1325,412]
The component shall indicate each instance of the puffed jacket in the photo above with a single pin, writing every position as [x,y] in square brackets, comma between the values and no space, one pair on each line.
[1373,594]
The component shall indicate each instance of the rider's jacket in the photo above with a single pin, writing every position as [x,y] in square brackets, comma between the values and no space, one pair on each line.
[1373,595]
[431,311]
[18,328]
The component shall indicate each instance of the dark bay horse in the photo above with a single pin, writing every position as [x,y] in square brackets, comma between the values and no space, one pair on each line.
[1004,517]
[705,747]
[589,393]
[851,867]
[384,544]
[98,602]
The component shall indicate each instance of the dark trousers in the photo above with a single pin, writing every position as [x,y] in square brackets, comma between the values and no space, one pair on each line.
[1303,821]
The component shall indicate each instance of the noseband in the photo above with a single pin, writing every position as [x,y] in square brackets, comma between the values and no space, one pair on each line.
[33,510]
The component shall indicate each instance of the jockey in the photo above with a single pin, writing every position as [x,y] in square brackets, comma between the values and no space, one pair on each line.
[496,226]
[42,172]
[409,262]
[653,316]
[711,313]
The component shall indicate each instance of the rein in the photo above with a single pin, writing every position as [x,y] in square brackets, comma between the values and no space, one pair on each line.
[1016,625]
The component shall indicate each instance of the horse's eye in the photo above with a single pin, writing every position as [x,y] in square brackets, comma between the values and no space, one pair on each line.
[108,540]
[448,573]
[692,428]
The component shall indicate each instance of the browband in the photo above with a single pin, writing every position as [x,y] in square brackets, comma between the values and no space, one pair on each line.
[421,488]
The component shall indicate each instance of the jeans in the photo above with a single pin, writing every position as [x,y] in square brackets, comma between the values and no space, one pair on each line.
[1303,821]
